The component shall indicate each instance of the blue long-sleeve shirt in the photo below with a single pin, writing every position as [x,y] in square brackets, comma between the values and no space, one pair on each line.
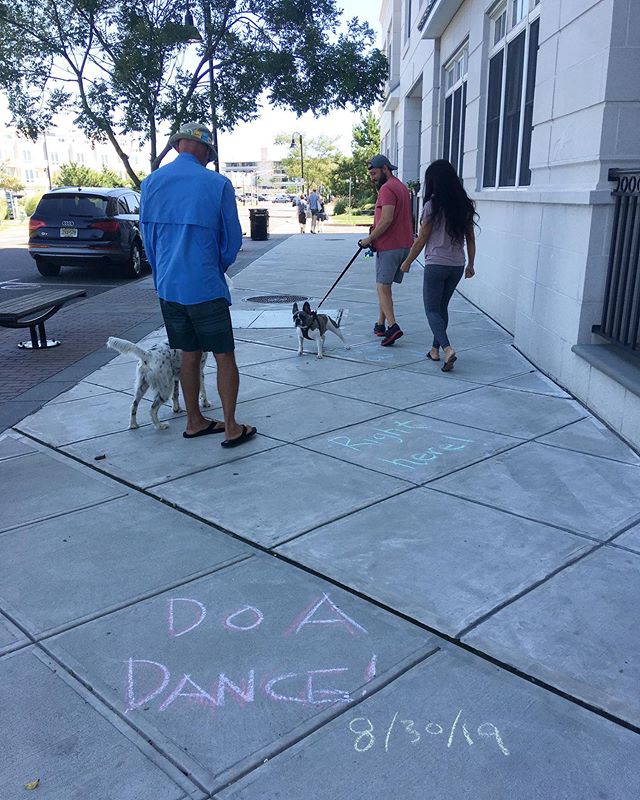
[190,229]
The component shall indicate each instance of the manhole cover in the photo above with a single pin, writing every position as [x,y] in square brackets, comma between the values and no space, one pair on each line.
[276,298]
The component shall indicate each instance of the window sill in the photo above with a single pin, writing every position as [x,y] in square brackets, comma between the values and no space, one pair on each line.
[613,361]
[527,194]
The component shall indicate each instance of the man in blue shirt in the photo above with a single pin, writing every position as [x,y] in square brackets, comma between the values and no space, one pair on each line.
[191,234]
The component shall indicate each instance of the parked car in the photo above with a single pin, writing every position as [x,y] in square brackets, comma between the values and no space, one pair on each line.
[281,198]
[85,226]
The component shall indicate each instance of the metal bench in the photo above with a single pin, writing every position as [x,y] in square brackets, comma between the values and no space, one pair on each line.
[47,301]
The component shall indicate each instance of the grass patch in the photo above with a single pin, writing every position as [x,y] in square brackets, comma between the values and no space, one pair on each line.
[352,219]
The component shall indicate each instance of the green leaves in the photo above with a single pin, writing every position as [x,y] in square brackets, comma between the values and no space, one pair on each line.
[132,67]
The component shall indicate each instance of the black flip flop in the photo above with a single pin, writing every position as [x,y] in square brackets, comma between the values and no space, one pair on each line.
[430,357]
[211,428]
[448,364]
[247,433]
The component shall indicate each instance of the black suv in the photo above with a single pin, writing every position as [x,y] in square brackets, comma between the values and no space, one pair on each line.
[83,226]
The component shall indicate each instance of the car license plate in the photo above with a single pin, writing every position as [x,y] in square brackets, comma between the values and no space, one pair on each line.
[68,233]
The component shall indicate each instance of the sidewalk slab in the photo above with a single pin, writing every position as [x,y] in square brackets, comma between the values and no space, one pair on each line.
[43,485]
[80,391]
[12,447]
[401,354]
[145,457]
[52,731]
[592,437]
[588,646]
[66,570]
[410,446]
[309,370]
[455,727]
[11,638]
[487,364]
[229,669]
[63,423]
[630,539]
[525,415]
[273,496]
[533,382]
[396,388]
[443,561]
[303,412]
[580,493]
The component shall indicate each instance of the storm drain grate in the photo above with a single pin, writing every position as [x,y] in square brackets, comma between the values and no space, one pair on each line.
[276,298]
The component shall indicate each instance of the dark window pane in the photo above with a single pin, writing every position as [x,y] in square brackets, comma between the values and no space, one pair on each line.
[511,113]
[464,116]
[493,119]
[447,128]
[455,127]
[532,59]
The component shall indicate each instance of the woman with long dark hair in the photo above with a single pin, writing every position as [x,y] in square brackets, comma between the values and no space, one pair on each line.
[446,224]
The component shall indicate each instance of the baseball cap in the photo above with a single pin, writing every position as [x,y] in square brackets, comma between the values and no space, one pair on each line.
[379,161]
[195,132]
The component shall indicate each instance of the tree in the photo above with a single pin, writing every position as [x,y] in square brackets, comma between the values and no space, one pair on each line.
[73,174]
[8,181]
[365,144]
[320,155]
[123,67]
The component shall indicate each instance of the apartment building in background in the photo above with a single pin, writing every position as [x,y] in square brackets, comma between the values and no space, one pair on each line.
[537,105]
[36,163]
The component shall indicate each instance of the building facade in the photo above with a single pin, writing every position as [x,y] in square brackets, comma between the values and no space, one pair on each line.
[35,164]
[537,105]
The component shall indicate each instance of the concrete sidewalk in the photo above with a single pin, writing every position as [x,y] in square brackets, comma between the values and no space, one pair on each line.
[410,583]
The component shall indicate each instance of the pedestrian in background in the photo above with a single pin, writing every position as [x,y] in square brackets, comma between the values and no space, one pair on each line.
[314,208]
[301,204]
[447,222]
[191,234]
[391,237]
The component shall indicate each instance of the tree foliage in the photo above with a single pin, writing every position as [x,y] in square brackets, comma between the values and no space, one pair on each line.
[73,174]
[320,155]
[126,67]
[365,143]
[8,181]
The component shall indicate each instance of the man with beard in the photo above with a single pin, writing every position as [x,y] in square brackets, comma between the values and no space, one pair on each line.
[391,237]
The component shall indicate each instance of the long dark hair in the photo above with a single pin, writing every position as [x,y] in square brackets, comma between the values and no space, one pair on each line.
[445,190]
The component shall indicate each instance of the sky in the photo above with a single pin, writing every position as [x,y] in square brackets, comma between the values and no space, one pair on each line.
[247,140]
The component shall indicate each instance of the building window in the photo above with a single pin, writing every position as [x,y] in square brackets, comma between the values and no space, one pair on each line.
[407,19]
[26,156]
[29,176]
[455,104]
[512,77]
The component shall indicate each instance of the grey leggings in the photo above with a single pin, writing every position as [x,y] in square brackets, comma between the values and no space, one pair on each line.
[439,285]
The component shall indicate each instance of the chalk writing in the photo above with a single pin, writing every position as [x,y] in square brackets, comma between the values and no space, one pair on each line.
[398,432]
[365,739]
[305,687]
[151,682]
[340,618]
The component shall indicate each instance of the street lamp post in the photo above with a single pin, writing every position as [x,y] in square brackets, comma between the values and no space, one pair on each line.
[293,144]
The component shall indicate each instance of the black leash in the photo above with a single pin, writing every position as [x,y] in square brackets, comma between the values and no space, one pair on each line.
[339,278]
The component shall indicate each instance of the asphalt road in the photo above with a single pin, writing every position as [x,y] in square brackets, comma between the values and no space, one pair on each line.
[18,273]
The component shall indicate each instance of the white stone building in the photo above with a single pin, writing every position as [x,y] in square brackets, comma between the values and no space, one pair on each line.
[534,101]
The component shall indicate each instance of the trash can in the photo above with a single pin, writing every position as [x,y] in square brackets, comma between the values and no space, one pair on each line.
[259,222]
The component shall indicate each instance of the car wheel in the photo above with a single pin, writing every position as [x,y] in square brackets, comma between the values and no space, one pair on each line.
[134,267]
[48,270]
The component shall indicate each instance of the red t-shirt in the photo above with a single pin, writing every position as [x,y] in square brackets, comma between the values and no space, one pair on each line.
[400,233]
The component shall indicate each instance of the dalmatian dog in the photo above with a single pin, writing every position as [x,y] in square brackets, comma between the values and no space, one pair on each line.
[158,370]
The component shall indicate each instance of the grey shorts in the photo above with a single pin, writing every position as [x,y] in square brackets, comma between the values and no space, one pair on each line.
[202,326]
[388,265]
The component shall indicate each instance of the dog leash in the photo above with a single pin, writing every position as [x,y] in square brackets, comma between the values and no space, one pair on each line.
[339,278]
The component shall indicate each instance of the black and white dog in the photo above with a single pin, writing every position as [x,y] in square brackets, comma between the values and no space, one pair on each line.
[314,326]
[158,369]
